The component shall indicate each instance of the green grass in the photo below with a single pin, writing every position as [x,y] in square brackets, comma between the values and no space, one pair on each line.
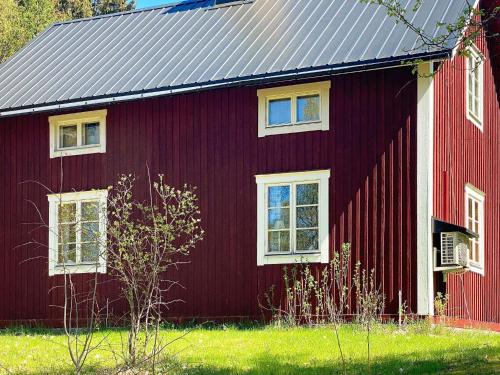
[268,350]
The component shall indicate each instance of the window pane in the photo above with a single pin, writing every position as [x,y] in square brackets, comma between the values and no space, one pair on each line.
[67,136]
[278,196]
[307,217]
[90,252]
[66,253]
[279,218]
[280,111]
[476,210]
[307,240]
[90,232]
[308,108]
[471,212]
[67,233]
[90,211]
[477,255]
[67,213]
[279,242]
[307,194]
[91,134]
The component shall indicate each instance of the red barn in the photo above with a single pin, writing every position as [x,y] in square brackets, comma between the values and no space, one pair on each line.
[302,129]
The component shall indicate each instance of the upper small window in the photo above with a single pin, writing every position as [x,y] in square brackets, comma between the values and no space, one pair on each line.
[293,109]
[474,217]
[78,133]
[77,236]
[292,217]
[474,71]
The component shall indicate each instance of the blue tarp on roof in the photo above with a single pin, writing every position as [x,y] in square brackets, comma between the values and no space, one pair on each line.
[194,44]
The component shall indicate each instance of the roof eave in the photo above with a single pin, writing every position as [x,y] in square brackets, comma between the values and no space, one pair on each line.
[299,74]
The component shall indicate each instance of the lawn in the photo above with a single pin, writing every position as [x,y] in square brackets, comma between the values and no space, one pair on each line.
[268,350]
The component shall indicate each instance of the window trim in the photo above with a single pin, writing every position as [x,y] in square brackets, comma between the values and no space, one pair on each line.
[317,88]
[54,201]
[477,195]
[321,177]
[476,120]
[55,122]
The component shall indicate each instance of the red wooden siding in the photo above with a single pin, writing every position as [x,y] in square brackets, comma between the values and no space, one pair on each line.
[494,39]
[464,154]
[209,139]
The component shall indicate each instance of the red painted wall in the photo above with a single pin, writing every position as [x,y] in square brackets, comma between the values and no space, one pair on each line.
[209,139]
[464,154]
[493,29]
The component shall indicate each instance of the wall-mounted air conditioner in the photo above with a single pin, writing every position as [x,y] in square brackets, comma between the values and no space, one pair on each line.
[454,249]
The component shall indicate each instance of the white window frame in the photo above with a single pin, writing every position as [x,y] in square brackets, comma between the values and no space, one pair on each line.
[54,201]
[321,177]
[476,119]
[318,88]
[478,196]
[78,119]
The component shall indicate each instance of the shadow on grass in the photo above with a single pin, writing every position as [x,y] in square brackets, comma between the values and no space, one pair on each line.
[484,360]
[480,361]
[191,325]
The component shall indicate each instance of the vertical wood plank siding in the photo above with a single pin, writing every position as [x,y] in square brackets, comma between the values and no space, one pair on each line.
[493,29]
[464,154]
[209,139]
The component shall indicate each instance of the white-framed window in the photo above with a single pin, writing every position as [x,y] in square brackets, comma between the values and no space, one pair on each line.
[474,221]
[474,87]
[294,109]
[77,232]
[78,133]
[292,217]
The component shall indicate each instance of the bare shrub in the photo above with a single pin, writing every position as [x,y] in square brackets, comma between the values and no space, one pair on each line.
[145,241]
[370,303]
[80,308]
[324,299]
[441,305]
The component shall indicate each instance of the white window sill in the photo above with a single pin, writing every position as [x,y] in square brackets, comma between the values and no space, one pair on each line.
[292,259]
[77,269]
[475,121]
[476,268]
[98,149]
[294,128]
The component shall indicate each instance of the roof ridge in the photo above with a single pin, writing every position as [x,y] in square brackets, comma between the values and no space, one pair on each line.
[140,10]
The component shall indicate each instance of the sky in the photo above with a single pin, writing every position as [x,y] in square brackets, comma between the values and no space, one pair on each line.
[151,3]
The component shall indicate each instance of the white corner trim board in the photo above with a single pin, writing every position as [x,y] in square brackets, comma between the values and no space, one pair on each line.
[292,182]
[425,158]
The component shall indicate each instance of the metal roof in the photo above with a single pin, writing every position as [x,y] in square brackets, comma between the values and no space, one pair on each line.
[193,44]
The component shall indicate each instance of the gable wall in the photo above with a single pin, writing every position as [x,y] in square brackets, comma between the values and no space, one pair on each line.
[209,139]
[464,154]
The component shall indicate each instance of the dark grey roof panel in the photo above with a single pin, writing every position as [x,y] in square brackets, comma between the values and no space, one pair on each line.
[194,44]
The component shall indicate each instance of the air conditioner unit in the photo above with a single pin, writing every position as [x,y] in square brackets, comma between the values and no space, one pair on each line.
[454,249]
